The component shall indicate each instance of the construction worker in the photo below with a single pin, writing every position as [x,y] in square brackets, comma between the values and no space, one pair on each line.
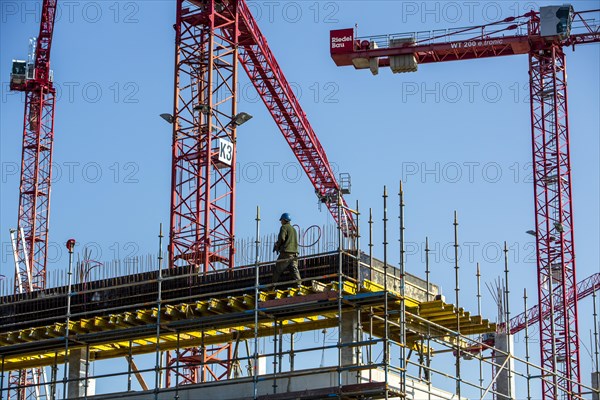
[287,247]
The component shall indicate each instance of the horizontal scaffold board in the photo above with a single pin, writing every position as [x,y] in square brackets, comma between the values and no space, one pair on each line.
[228,318]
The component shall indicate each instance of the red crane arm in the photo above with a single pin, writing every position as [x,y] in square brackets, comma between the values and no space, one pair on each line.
[482,41]
[264,72]
[44,42]
[532,316]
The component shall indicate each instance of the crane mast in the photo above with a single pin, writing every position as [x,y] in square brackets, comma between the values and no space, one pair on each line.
[543,36]
[34,78]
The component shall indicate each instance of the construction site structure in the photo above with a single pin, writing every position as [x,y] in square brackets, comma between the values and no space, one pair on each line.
[385,334]
[196,315]
[542,35]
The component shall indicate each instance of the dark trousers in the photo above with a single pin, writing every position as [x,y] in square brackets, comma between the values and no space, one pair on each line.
[286,261]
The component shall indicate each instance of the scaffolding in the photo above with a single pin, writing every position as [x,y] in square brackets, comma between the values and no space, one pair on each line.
[372,317]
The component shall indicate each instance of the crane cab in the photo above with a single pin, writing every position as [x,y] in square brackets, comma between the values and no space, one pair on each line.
[556,21]
[18,75]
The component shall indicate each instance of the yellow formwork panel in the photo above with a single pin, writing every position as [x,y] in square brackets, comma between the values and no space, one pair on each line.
[306,321]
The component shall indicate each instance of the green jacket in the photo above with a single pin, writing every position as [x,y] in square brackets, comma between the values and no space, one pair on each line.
[287,241]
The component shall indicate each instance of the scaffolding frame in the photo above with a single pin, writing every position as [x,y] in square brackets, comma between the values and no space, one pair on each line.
[380,333]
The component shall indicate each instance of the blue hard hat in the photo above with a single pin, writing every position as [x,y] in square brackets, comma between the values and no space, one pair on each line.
[285,217]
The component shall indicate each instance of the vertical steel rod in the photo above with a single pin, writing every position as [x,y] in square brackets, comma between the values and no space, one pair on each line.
[158,306]
[70,247]
[457,298]
[370,358]
[402,294]
[340,290]
[292,355]
[2,380]
[256,294]
[527,345]
[507,318]
[428,366]
[177,365]
[357,244]
[385,292]
[478,276]
[53,377]
[595,333]
[370,243]
[87,371]
[129,368]
[275,356]
[280,346]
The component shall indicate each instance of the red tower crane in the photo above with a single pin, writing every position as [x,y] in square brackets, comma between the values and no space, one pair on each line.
[211,37]
[34,78]
[543,36]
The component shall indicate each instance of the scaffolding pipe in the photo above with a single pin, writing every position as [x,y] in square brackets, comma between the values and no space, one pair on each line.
[597,367]
[340,290]
[256,294]
[402,294]
[428,365]
[129,367]
[157,372]
[2,379]
[54,377]
[87,371]
[70,247]
[385,290]
[527,345]
[507,311]
[457,297]
[370,243]
[478,276]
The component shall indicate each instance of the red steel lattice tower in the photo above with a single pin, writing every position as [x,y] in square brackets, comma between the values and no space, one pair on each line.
[36,161]
[36,172]
[559,333]
[203,180]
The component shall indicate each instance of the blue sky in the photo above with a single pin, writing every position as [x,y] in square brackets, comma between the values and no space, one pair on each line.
[455,149]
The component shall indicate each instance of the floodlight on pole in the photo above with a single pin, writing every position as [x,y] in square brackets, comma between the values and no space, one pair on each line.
[531,232]
[167,117]
[241,118]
